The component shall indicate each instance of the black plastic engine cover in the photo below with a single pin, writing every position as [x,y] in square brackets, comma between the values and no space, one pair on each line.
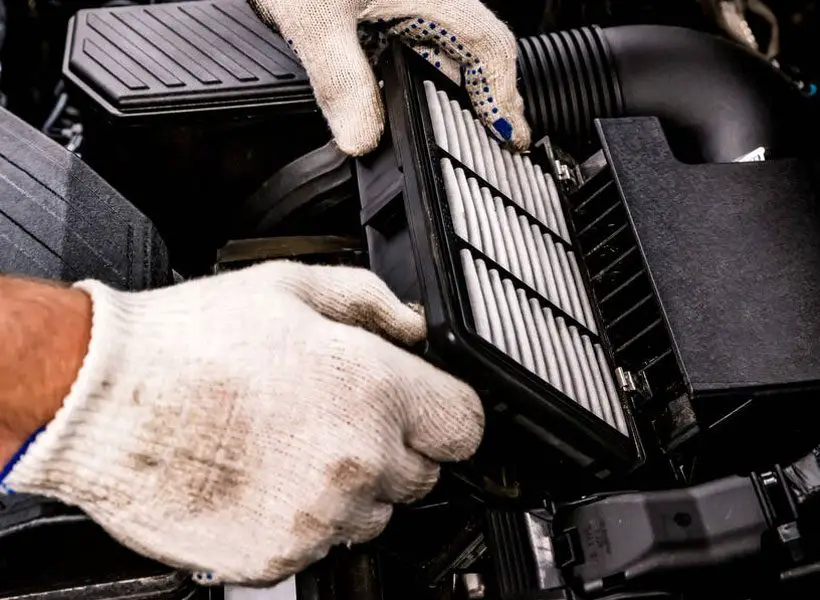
[182,57]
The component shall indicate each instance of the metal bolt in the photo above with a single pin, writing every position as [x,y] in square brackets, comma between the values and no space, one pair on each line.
[474,584]
[625,380]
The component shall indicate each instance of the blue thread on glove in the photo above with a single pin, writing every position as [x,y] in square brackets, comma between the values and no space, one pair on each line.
[504,128]
[15,459]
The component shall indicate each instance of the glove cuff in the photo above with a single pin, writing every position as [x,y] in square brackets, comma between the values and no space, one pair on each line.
[75,445]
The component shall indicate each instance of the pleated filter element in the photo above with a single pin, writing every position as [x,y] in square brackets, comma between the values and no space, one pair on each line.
[525,288]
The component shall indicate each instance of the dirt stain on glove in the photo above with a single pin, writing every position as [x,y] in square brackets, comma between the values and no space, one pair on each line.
[349,475]
[281,568]
[141,462]
[307,526]
[207,460]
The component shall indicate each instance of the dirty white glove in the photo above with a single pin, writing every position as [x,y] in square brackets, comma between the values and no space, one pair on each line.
[324,35]
[240,425]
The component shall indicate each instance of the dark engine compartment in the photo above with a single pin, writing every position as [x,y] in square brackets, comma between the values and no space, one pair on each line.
[671,197]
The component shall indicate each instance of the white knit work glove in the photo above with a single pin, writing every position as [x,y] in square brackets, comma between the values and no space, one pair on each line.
[324,35]
[239,426]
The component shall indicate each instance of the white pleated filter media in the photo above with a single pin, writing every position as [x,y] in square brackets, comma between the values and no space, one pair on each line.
[526,234]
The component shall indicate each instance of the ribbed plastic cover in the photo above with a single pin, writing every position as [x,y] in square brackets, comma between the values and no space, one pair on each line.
[188,56]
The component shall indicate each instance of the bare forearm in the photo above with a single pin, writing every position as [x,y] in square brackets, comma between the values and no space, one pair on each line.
[45,332]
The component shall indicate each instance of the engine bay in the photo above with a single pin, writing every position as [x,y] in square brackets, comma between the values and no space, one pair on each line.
[636,299]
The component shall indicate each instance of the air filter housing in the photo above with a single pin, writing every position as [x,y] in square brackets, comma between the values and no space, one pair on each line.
[617,316]
[707,280]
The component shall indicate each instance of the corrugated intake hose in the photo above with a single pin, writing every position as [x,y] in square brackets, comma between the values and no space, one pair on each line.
[716,99]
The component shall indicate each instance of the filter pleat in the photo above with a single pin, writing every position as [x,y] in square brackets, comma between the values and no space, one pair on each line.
[493,314]
[436,116]
[477,301]
[466,148]
[475,144]
[449,125]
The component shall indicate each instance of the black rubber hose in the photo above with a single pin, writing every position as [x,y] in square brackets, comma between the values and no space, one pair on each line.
[716,99]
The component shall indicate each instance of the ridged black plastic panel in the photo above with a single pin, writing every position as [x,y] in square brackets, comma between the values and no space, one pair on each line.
[511,553]
[181,56]
[623,291]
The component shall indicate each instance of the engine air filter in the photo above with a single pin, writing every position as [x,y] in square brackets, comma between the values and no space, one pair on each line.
[524,286]
[479,236]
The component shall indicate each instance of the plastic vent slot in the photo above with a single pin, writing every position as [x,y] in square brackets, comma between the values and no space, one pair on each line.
[524,285]
[621,286]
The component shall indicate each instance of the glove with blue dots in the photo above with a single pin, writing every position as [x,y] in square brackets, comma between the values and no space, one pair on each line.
[463,38]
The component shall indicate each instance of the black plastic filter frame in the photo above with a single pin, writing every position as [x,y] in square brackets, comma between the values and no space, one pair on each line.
[510,388]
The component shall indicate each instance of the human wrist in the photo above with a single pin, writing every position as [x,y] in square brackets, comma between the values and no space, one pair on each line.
[98,435]
[46,330]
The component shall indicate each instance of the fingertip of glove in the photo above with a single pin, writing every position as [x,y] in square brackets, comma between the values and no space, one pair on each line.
[452,426]
[357,132]
[471,427]
[413,329]
[416,308]
[513,129]
[357,145]
[521,137]
[401,321]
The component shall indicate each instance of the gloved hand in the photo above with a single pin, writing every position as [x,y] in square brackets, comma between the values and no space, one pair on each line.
[243,424]
[324,35]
